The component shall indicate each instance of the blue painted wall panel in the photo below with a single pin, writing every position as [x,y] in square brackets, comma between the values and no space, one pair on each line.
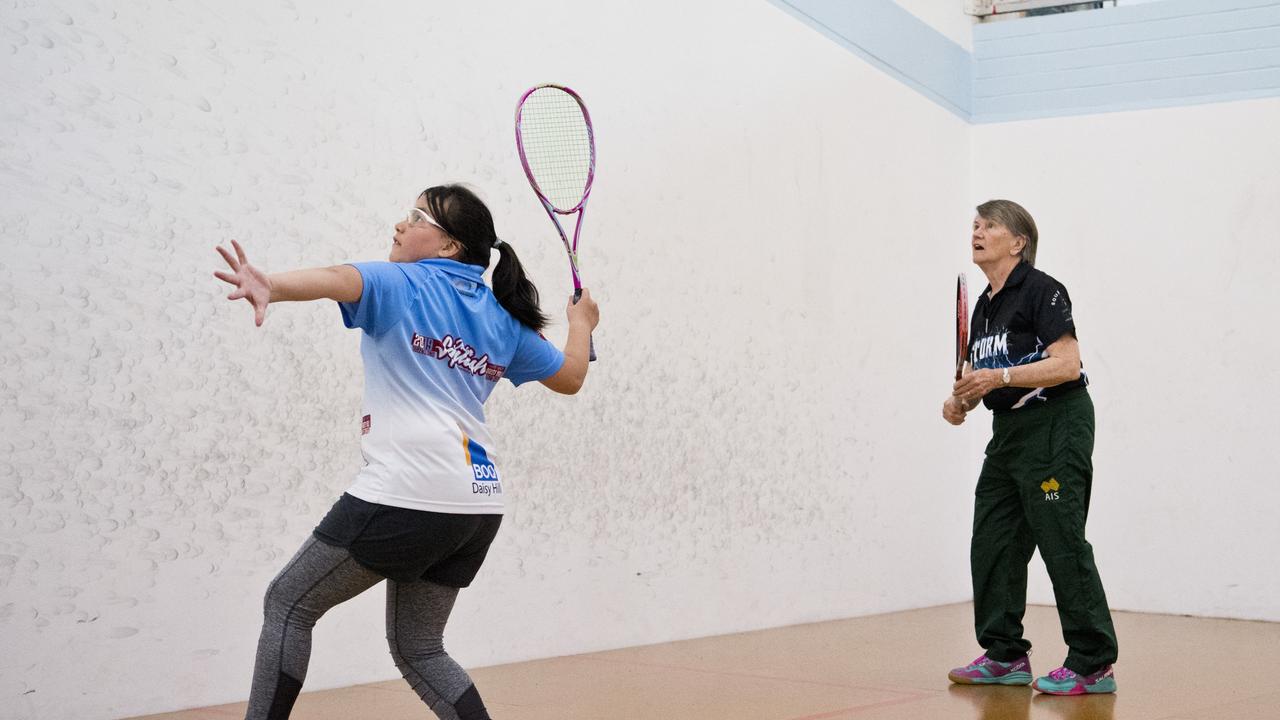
[1187,27]
[1159,93]
[1116,55]
[1112,16]
[1151,55]
[897,42]
[1129,73]
[1124,58]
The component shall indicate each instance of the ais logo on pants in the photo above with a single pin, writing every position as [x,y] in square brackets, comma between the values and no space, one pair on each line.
[1050,488]
[485,475]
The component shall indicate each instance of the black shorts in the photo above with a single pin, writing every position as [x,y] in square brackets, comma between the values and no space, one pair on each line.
[407,545]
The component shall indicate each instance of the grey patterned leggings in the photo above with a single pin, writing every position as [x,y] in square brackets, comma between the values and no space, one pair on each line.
[321,576]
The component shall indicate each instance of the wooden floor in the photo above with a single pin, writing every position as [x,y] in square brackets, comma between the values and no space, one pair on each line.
[876,668]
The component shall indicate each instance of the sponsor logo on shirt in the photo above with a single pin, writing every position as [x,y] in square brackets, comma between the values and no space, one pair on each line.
[485,475]
[365,423]
[459,355]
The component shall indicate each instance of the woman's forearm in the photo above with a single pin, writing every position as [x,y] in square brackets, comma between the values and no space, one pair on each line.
[1044,373]
[339,282]
[1061,364]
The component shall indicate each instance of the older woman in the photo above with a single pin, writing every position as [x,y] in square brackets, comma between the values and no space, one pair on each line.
[1024,365]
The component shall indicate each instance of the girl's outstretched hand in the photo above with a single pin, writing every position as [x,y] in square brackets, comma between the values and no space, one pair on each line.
[250,283]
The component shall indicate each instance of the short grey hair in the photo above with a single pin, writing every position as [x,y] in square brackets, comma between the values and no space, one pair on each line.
[1019,222]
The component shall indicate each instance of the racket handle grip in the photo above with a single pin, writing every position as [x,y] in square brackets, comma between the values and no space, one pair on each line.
[591,356]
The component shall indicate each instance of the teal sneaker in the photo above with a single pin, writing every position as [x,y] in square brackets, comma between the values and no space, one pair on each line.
[1066,682]
[985,671]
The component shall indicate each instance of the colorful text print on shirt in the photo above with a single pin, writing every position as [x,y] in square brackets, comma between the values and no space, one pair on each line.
[459,355]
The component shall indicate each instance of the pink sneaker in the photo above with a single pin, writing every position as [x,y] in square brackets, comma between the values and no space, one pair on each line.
[985,671]
[1066,682]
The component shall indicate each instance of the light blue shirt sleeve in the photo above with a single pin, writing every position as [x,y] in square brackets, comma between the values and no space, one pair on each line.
[383,302]
[535,359]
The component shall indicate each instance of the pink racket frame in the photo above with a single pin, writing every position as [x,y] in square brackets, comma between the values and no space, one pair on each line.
[552,210]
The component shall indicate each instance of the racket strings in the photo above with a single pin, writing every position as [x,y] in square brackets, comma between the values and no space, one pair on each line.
[557,146]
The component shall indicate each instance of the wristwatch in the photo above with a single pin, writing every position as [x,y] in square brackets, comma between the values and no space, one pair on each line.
[1004,376]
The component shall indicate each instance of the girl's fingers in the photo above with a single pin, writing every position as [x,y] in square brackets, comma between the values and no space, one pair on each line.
[225,277]
[239,251]
[226,255]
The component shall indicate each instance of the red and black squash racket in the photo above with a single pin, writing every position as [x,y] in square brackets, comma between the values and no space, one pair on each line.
[962,324]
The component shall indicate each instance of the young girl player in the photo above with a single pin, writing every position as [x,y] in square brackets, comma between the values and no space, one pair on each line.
[428,501]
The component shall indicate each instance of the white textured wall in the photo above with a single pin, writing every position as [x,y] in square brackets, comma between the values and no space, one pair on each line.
[1164,225]
[759,444]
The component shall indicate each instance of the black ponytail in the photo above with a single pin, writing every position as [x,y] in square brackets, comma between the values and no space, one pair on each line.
[466,219]
[515,291]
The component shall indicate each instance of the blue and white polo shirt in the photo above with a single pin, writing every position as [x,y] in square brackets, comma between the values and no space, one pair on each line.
[435,344]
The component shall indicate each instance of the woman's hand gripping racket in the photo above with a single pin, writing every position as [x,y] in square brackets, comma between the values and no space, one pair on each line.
[962,324]
[558,151]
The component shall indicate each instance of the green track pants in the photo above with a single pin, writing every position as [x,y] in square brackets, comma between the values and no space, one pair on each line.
[1034,492]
